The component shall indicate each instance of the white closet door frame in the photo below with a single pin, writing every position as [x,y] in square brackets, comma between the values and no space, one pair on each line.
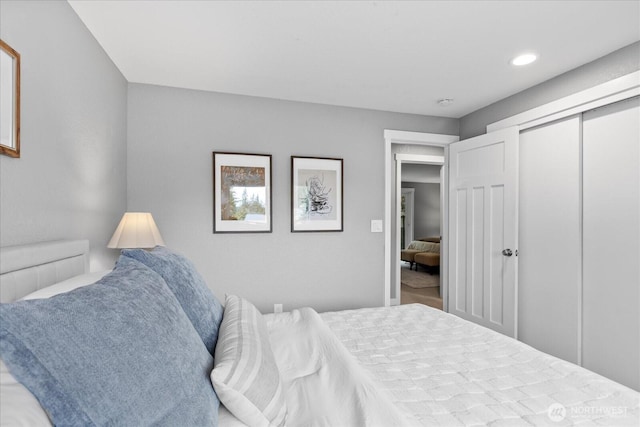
[615,90]
[622,88]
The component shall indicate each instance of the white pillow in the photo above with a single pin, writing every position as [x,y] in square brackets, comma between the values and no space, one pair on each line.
[67,285]
[245,375]
[18,406]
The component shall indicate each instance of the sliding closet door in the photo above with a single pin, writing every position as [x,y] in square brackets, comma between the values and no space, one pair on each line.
[550,238]
[611,272]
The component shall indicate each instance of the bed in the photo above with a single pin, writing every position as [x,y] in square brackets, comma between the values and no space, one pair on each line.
[404,365]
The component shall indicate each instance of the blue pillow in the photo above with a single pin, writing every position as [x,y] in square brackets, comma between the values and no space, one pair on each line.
[119,352]
[195,297]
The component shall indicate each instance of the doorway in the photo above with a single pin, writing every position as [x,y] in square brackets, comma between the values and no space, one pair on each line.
[421,209]
[409,147]
[421,201]
[415,170]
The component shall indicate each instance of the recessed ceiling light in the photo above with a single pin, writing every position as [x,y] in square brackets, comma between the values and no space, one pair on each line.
[524,59]
[444,102]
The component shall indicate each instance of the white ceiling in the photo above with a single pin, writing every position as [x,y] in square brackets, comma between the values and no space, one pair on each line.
[386,55]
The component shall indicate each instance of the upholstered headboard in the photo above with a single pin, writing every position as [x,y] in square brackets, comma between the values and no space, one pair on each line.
[27,268]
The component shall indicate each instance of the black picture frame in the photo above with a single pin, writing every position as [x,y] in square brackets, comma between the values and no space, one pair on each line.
[317,194]
[242,193]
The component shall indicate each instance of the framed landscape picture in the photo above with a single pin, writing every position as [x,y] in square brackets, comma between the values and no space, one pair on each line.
[9,101]
[316,194]
[241,193]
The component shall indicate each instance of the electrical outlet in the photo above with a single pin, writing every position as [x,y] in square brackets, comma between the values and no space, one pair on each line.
[277,308]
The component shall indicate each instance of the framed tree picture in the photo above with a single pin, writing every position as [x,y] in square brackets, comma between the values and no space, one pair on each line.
[241,193]
[316,194]
[9,101]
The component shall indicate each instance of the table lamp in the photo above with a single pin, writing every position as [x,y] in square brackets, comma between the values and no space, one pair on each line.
[136,230]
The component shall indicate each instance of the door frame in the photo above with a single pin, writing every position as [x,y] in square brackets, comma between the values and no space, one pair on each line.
[408,138]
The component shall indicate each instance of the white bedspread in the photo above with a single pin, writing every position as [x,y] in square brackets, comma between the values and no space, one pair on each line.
[442,370]
[324,385]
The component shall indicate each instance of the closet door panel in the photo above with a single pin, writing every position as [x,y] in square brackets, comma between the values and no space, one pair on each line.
[611,257]
[550,238]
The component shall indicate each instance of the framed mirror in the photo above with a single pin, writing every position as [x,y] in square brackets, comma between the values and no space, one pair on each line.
[9,101]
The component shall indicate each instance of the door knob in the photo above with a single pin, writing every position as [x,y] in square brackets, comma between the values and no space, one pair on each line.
[507,252]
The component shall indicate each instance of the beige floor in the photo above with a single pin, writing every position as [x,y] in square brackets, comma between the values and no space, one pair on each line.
[426,296]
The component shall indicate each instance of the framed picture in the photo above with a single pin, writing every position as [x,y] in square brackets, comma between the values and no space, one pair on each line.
[316,194]
[241,193]
[9,101]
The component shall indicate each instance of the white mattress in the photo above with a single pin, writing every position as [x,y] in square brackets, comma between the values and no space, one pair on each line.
[441,370]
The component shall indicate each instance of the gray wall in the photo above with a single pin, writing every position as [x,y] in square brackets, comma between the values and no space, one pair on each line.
[70,180]
[171,135]
[426,209]
[609,67]
[416,172]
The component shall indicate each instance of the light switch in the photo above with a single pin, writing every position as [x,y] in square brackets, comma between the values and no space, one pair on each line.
[376,226]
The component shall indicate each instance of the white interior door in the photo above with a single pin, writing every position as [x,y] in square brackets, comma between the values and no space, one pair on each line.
[483,229]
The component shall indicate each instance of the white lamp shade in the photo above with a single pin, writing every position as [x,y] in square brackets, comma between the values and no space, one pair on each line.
[136,230]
